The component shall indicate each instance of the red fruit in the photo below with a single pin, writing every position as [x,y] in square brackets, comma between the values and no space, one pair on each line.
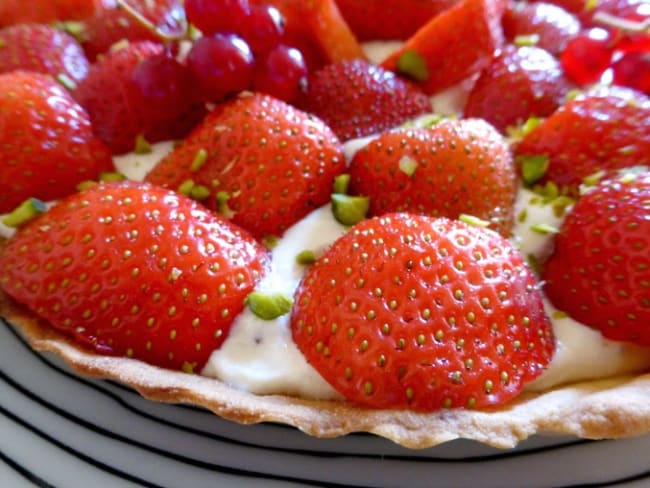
[133,270]
[414,312]
[222,65]
[587,56]
[47,145]
[161,18]
[37,47]
[454,168]
[601,130]
[271,162]
[599,272]
[451,46]
[318,30]
[123,103]
[552,25]
[633,70]
[281,73]
[214,16]
[389,19]
[519,83]
[356,98]
[46,11]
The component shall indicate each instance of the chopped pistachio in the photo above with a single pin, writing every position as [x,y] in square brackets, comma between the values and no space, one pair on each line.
[407,165]
[142,146]
[533,167]
[526,40]
[25,212]
[108,177]
[413,64]
[306,257]
[85,185]
[341,184]
[349,210]
[65,81]
[269,305]
[185,188]
[270,241]
[199,192]
[473,221]
[222,204]
[199,160]
[544,229]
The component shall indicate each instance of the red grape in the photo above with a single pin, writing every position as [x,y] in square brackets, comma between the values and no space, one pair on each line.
[222,65]
[282,73]
[213,16]
[633,70]
[263,28]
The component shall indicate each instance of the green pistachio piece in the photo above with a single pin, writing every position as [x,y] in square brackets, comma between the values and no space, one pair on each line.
[349,210]
[342,183]
[269,305]
[199,192]
[185,188]
[544,229]
[109,177]
[65,81]
[270,241]
[413,64]
[142,145]
[306,257]
[222,204]
[473,221]
[526,40]
[533,168]
[85,185]
[199,160]
[407,165]
[25,212]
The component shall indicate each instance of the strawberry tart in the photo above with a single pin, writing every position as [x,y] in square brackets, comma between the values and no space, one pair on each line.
[440,237]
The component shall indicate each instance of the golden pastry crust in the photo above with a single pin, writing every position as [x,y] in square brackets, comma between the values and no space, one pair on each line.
[612,408]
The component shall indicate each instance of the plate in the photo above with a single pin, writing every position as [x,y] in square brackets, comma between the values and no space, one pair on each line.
[59,429]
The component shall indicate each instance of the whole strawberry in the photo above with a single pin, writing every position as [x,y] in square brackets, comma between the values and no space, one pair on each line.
[258,160]
[139,90]
[604,129]
[456,167]
[47,146]
[415,312]
[356,98]
[132,270]
[42,48]
[519,83]
[599,272]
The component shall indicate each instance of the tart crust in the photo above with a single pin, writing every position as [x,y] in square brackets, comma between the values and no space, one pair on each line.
[610,408]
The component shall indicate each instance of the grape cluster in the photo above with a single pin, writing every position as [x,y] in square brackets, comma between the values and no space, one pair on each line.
[620,51]
[240,47]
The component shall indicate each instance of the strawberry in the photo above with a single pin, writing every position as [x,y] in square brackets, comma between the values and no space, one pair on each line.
[356,98]
[603,129]
[155,20]
[451,46]
[271,162]
[46,11]
[519,83]
[318,29]
[389,19]
[38,47]
[415,312]
[549,25]
[454,168]
[133,270]
[599,272]
[47,145]
[139,90]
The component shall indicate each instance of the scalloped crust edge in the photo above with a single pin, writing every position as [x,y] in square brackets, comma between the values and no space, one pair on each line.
[611,408]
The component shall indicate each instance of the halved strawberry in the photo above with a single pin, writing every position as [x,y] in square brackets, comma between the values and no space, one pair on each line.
[604,129]
[356,98]
[133,270]
[259,160]
[109,25]
[456,167]
[519,83]
[414,312]
[42,48]
[547,25]
[389,19]
[127,96]
[46,11]
[599,272]
[47,145]
[451,46]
